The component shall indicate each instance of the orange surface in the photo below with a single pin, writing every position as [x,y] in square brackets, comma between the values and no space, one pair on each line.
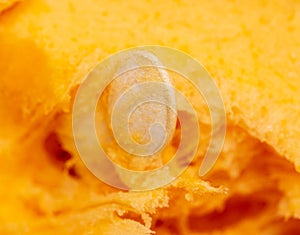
[252,50]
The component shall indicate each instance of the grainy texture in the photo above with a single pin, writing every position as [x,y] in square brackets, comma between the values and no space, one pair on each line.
[252,50]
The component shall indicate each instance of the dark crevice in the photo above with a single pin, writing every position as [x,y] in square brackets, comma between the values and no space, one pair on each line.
[59,156]
[132,216]
[73,172]
[55,149]
[238,208]
[170,225]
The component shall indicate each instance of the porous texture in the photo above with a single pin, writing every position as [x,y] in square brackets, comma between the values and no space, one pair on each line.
[251,49]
